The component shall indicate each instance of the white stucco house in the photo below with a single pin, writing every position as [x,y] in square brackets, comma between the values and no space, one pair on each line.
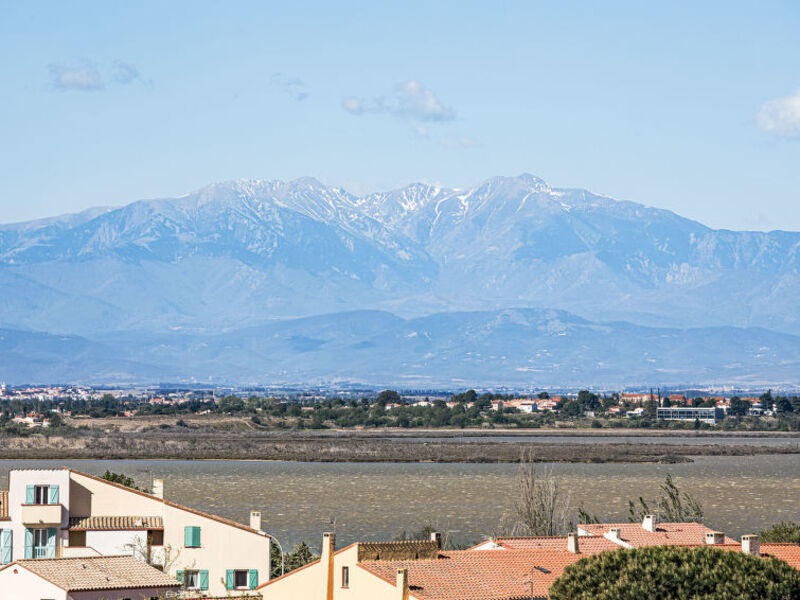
[63,513]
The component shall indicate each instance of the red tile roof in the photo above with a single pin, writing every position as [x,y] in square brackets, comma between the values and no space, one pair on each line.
[479,574]
[670,534]
[786,552]
[587,544]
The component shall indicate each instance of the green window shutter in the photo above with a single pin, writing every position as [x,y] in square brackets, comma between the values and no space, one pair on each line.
[28,543]
[5,546]
[29,494]
[179,576]
[191,537]
[53,499]
[51,543]
[253,579]
[203,580]
[229,579]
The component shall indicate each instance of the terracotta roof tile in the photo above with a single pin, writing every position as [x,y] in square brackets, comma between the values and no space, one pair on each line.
[479,574]
[116,523]
[786,552]
[587,544]
[670,534]
[97,573]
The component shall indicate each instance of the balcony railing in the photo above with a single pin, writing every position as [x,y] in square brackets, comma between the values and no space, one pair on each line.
[40,552]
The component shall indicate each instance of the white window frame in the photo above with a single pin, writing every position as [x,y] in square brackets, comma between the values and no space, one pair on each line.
[41,494]
[40,550]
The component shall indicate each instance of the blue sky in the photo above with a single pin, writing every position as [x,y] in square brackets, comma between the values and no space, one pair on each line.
[690,106]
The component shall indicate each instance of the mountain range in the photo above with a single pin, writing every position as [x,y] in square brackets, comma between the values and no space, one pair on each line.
[511,281]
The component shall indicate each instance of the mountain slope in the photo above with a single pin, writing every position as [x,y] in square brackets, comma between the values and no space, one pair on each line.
[244,254]
[515,347]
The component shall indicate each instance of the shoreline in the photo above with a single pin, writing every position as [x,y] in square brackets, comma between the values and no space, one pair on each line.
[311,447]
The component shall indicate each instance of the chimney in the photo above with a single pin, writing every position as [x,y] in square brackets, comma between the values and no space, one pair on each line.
[255,520]
[437,537]
[649,523]
[158,488]
[615,532]
[402,584]
[715,537]
[326,560]
[572,543]
[751,545]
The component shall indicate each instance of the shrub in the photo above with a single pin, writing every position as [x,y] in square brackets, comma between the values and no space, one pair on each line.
[677,573]
[782,532]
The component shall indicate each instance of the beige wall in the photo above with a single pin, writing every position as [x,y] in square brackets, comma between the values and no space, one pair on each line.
[307,583]
[18,583]
[222,547]
[92,498]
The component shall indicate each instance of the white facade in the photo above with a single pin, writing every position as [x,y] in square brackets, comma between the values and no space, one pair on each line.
[28,517]
[108,519]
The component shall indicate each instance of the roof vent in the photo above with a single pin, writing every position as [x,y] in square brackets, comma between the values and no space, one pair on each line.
[715,537]
[751,545]
[649,523]
[572,543]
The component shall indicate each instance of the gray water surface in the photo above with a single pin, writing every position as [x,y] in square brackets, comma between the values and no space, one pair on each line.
[378,500]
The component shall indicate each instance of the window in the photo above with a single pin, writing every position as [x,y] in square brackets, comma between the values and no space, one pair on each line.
[193,579]
[40,539]
[191,537]
[77,538]
[345,577]
[40,494]
[240,579]
[155,537]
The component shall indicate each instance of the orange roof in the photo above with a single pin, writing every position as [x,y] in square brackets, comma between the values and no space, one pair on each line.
[587,544]
[478,574]
[786,552]
[666,534]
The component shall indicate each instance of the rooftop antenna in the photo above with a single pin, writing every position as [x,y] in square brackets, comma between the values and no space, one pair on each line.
[531,580]
[332,521]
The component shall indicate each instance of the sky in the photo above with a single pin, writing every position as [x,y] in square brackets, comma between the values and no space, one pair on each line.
[688,106]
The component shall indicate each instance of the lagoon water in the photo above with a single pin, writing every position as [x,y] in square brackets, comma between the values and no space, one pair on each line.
[377,500]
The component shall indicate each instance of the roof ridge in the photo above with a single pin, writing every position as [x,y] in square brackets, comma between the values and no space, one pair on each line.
[170,503]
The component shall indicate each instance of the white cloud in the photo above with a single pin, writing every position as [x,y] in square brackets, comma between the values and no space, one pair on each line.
[781,116]
[354,105]
[409,100]
[86,76]
[292,86]
[418,102]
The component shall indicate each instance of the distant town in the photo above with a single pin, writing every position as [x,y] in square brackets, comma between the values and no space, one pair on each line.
[45,406]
